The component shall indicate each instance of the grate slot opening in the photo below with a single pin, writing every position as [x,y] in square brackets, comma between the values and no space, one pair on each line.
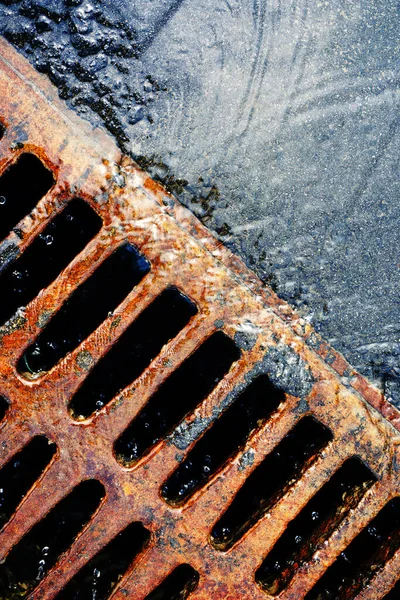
[366,554]
[314,524]
[21,472]
[177,586]
[166,316]
[4,406]
[38,551]
[271,480]
[177,396]
[100,576]
[22,185]
[86,308]
[2,130]
[47,256]
[223,440]
[394,593]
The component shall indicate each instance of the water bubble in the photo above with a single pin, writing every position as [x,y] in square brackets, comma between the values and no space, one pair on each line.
[373,532]
[223,533]
[134,450]
[3,200]
[48,239]
[345,557]
[96,575]
[298,539]
[314,515]
[42,564]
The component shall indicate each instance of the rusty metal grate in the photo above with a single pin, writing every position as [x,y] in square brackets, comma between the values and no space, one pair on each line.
[158,404]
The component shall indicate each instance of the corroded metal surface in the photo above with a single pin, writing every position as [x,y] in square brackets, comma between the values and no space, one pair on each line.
[317,381]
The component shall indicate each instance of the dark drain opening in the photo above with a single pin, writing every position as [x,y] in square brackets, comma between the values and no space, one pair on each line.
[314,524]
[366,555]
[177,586]
[21,187]
[271,480]
[134,351]
[47,256]
[100,576]
[223,440]
[177,396]
[2,130]
[3,407]
[30,560]
[85,309]
[21,472]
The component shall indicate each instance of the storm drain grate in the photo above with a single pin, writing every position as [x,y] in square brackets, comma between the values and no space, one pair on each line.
[169,428]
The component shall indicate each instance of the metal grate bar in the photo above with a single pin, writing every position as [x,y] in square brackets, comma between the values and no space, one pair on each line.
[108,332]
[373,501]
[262,538]
[174,353]
[99,531]
[13,438]
[220,494]
[54,485]
[154,566]
[384,581]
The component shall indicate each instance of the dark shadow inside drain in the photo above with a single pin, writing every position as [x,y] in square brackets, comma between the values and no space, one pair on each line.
[177,586]
[38,551]
[86,308]
[271,480]
[177,396]
[4,406]
[133,352]
[223,440]
[22,185]
[2,130]
[314,524]
[47,256]
[103,572]
[363,558]
[21,472]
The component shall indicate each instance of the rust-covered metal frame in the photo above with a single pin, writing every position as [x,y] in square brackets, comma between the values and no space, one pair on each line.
[86,163]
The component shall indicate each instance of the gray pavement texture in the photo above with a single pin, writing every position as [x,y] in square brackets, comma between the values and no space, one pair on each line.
[275,121]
